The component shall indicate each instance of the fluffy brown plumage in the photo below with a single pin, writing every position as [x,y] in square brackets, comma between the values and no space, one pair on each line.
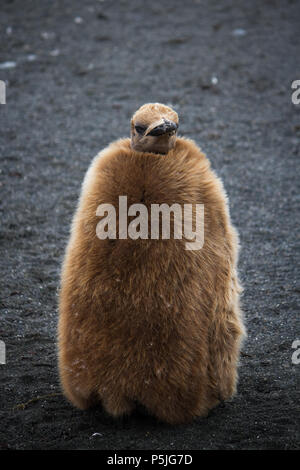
[147,320]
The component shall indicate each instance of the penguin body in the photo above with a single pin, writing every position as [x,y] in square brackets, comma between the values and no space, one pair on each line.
[146,320]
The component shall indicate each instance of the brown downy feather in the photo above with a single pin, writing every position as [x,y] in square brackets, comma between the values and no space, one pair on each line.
[147,320]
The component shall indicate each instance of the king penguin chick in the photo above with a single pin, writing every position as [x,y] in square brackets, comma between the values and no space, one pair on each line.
[146,320]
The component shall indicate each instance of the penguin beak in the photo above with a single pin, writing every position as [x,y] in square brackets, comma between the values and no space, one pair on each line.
[163,126]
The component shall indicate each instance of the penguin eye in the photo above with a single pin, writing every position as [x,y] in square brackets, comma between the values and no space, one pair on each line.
[140,129]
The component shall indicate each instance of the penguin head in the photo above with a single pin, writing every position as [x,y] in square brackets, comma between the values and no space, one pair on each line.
[154,128]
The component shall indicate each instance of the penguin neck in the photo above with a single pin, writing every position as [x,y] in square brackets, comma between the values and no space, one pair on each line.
[157,147]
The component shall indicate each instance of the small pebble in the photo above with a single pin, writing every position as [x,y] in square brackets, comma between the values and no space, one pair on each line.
[8,65]
[239,32]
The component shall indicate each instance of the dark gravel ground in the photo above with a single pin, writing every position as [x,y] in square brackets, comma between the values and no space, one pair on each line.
[73,90]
